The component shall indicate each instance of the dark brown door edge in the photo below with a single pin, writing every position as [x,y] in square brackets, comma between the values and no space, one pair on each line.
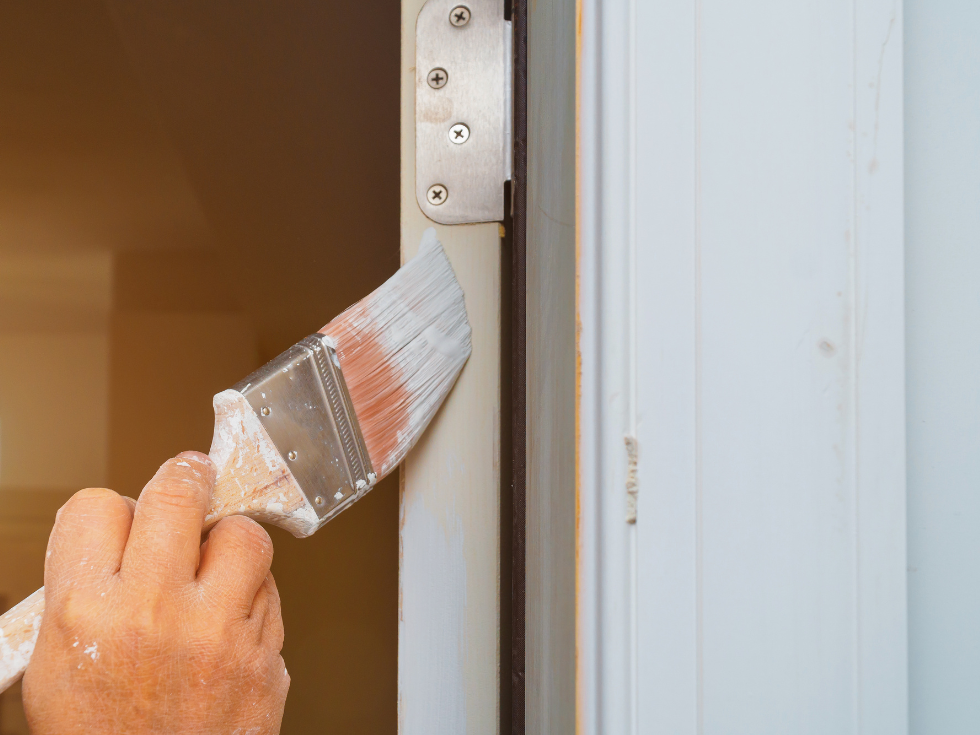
[512,682]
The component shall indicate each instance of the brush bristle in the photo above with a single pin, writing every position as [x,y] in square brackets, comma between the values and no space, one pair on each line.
[401,349]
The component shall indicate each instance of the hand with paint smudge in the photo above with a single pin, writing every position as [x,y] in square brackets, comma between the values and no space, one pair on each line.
[147,630]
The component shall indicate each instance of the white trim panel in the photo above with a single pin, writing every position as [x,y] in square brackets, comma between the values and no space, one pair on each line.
[741,305]
[449,574]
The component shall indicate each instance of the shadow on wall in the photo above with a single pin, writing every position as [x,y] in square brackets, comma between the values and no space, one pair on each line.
[181,199]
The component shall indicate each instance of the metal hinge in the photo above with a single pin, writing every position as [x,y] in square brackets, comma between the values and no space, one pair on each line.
[463,110]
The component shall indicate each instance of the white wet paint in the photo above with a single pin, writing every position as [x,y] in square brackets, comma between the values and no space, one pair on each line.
[432,630]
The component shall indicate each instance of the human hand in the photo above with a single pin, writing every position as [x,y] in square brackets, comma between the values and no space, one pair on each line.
[148,631]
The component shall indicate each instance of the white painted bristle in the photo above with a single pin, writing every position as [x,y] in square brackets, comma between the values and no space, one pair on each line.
[401,349]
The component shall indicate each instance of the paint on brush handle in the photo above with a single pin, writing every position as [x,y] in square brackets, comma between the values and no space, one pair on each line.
[253,479]
[19,627]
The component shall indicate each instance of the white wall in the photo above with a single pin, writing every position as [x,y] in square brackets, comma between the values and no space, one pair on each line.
[942,150]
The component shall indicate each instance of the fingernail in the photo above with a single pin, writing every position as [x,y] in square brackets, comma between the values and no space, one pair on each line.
[195,457]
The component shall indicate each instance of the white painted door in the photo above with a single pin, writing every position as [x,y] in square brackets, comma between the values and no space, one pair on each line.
[741,301]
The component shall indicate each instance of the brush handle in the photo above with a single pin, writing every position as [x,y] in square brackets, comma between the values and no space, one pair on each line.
[18,634]
[253,480]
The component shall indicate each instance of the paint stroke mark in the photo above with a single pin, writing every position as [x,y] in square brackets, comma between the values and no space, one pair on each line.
[432,629]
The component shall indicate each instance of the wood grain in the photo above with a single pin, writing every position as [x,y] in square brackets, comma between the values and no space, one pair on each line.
[253,480]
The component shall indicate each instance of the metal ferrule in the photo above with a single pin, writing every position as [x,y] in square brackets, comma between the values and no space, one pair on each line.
[302,401]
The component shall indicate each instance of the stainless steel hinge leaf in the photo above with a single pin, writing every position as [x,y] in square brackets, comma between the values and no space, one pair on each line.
[463,110]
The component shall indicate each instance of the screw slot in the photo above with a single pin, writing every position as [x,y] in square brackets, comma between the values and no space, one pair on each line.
[437,194]
[438,78]
[292,456]
[459,133]
[459,16]
[265,411]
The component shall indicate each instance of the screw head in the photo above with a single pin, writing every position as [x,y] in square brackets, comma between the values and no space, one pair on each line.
[437,78]
[459,133]
[459,16]
[292,456]
[437,194]
[265,410]
[319,500]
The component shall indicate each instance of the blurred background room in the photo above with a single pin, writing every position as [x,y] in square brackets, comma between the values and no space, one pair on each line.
[187,189]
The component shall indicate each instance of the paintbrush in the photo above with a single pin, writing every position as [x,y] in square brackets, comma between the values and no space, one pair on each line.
[310,433]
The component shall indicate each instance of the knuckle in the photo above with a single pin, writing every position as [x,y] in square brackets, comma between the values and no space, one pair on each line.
[250,534]
[191,467]
[277,637]
[170,495]
[90,498]
[71,611]
[274,602]
[148,626]
[87,511]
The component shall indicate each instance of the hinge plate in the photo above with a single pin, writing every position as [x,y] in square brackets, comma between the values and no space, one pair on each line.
[470,66]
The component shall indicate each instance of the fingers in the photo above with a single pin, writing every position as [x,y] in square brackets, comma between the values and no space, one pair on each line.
[266,615]
[165,540]
[235,562]
[88,538]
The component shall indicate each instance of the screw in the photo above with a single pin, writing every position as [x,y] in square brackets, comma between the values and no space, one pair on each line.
[266,410]
[319,500]
[438,78]
[459,133]
[437,194]
[459,16]
[292,456]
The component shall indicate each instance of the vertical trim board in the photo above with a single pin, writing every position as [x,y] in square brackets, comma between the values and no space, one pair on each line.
[449,618]
[942,145]
[550,607]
